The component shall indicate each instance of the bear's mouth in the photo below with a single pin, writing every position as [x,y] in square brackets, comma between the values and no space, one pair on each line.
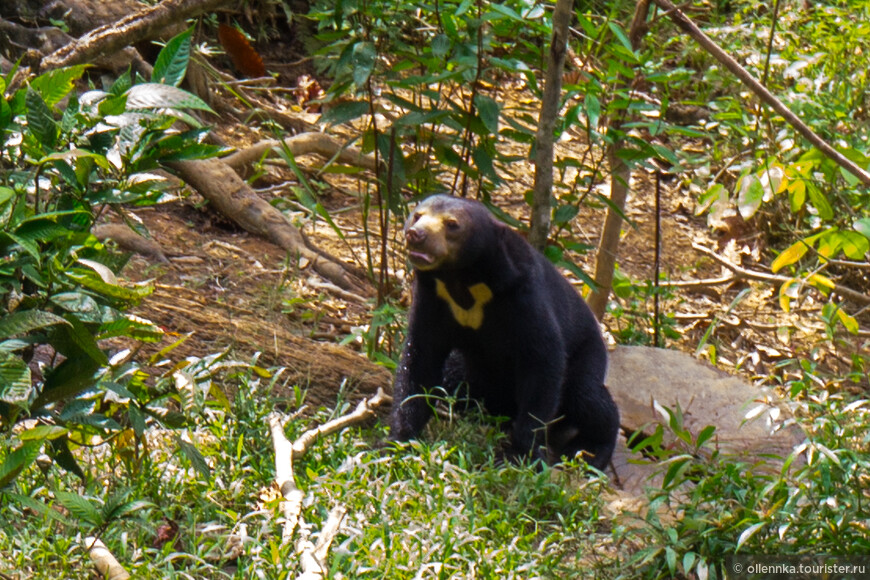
[421,258]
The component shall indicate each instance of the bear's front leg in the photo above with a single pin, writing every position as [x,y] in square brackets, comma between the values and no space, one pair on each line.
[420,369]
[539,385]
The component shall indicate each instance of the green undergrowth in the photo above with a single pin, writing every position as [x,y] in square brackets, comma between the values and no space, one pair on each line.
[441,508]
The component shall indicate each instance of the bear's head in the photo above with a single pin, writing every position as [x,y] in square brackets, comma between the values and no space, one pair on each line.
[446,232]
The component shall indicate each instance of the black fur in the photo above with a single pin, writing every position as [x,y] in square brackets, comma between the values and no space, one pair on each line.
[537,358]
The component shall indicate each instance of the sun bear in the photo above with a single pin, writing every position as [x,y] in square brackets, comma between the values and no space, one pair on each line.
[492,315]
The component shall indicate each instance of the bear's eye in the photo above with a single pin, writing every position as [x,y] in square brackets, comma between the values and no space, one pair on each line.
[416,217]
[451,224]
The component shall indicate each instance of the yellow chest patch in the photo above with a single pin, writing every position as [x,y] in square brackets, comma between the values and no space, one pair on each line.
[469,317]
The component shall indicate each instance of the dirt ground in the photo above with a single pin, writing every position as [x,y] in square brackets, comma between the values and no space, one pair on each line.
[229,288]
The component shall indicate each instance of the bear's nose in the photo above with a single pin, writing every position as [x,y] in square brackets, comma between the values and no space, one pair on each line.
[415,236]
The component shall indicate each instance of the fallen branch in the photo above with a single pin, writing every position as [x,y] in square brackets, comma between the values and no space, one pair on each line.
[311,556]
[145,24]
[364,410]
[291,505]
[234,198]
[747,274]
[105,562]
[689,27]
[302,144]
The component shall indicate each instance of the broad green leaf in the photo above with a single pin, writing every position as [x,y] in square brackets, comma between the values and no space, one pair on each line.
[345,112]
[488,110]
[748,533]
[750,193]
[157,96]
[75,341]
[16,384]
[363,62]
[862,226]
[37,507]
[820,282]
[120,511]
[819,201]
[133,327]
[73,155]
[593,111]
[171,64]
[80,507]
[5,193]
[57,84]
[91,281]
[24,321]
[440,46]
[848,322]
[854,245]
[195,457]
[17,461]
[790,255]
[40,122]
[41,432]
[787,292]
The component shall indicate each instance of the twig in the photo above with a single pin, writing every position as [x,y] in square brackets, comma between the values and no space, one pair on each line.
[106,563]
[363,411]
[689,27]
[745,273]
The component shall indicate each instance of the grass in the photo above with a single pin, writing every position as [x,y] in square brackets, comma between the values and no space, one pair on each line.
[438,508]
[435,509]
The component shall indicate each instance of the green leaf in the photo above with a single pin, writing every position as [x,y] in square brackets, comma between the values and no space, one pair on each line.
[54,85]
[38,507]
[171,64]
[116,512]
[593,111]
[80,507]
[157,96]
[862,226]
[748,533]
[91,281]
[819,201]
[848,321]
[133,327]
[16,383]
[488,110]
[6,193]
[24,321]
[440,45]
[40,121]
[18,461]
[363,62]
[345,112]
[790,255]
[854,245]
[195,457]
[42,432]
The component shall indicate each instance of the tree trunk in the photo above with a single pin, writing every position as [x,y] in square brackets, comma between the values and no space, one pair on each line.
[543,190]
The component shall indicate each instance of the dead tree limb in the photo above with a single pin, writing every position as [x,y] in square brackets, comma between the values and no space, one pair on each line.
[234,198]
[364,410]
[747,274]
[142,25]
[302,144]
[620,176]
[105,562]
[689,27]
[543,189]
[291,505]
